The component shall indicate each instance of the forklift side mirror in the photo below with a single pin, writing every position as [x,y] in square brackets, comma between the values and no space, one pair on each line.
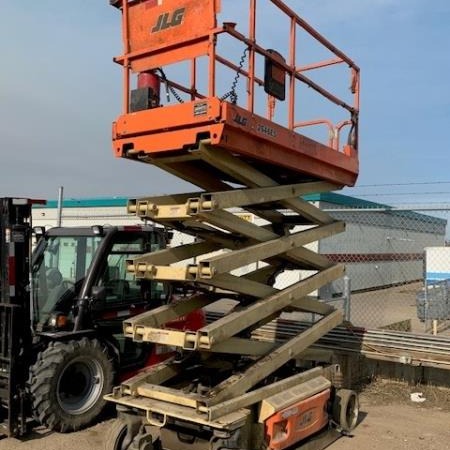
[169,236]
[38,232]
[115,3]
[98,298]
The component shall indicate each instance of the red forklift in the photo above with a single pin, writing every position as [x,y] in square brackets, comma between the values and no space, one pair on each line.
[61,312]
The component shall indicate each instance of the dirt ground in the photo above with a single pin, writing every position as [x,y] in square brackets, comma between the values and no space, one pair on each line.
[389,420]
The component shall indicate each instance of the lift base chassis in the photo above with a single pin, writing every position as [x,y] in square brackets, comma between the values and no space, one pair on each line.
[304,411]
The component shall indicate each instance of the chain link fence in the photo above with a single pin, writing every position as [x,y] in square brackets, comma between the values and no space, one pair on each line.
[398,265]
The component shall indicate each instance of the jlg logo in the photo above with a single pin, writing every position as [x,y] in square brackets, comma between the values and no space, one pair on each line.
[166,20]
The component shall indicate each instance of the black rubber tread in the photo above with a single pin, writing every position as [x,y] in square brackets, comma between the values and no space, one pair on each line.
[346,409]
[115,436]
[44,375]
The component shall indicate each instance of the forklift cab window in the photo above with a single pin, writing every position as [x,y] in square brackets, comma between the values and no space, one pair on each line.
[121,285]
[58,271]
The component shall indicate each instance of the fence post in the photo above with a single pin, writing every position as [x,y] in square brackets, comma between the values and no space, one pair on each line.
[60,206]
[346,294]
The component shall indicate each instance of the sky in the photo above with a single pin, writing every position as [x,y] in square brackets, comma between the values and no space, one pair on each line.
[60,91]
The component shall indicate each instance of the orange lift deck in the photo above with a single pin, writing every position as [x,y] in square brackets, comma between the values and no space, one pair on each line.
[237,127]
[158,34]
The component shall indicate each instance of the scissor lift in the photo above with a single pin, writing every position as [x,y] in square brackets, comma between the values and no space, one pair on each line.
[225,389]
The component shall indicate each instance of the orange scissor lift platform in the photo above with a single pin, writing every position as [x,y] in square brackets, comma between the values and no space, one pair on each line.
[243,153]
[161,134]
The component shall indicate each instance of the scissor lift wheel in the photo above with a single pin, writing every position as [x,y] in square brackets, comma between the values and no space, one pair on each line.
[346,409]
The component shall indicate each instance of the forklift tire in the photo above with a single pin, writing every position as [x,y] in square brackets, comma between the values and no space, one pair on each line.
[346,409]
[68,382]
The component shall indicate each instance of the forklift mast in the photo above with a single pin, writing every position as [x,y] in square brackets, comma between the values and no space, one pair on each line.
[16,336]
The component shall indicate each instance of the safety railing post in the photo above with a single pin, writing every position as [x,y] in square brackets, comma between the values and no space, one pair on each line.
[126,68]
[292,79]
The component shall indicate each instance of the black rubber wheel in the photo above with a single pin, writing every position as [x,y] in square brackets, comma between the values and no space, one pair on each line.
[346,409]
[116,435]
[68,382]
[122,433]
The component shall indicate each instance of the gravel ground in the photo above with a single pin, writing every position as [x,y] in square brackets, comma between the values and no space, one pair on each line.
[388,421]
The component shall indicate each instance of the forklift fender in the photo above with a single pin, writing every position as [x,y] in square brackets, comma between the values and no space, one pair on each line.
[63,336]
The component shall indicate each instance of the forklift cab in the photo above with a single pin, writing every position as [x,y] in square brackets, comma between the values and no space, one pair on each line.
[80,280]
